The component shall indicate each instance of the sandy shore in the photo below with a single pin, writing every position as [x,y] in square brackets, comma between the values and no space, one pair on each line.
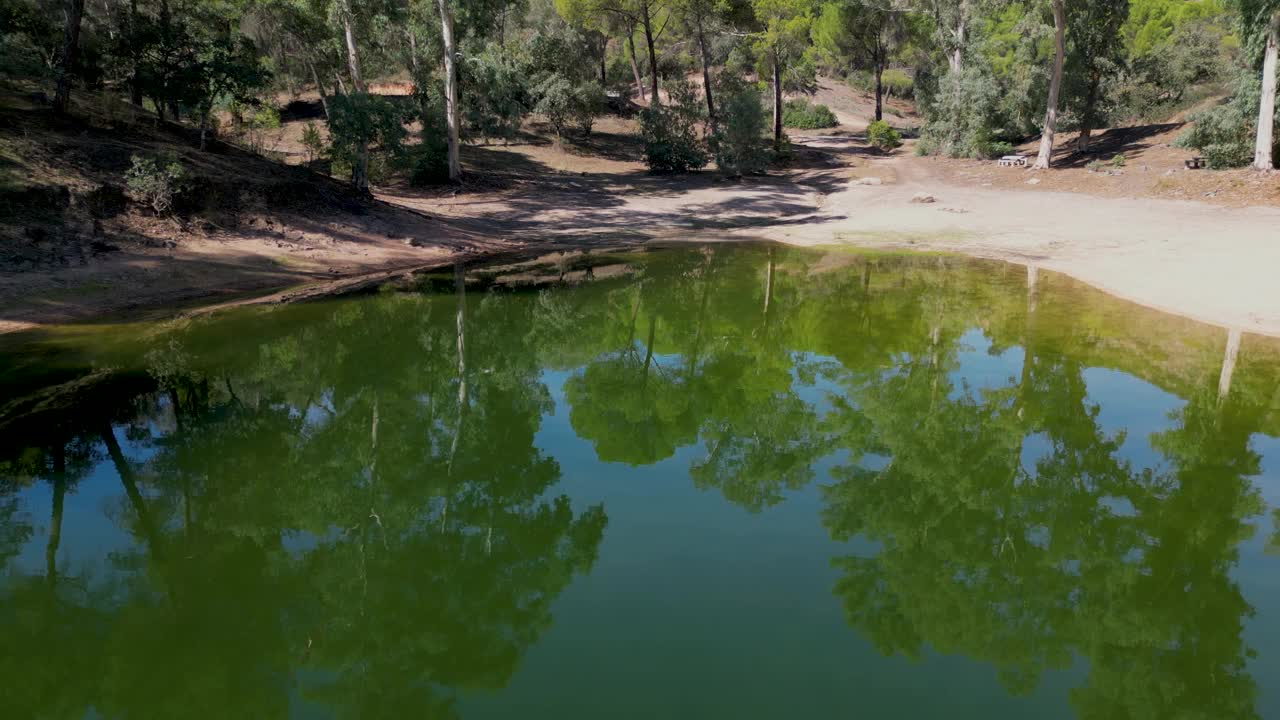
[1207,262]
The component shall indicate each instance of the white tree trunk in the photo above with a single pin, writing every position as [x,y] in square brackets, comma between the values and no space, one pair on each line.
[1262,159]
[957,53]
[1055,84]
[353,55]
[450,89]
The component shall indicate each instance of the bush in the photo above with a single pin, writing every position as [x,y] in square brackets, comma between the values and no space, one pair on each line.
[961,115]
[801,114]
[565,103]
[312,141]
[740,143]
[497,96]
[883,137]
[429,159]
[156,182]
[670,133]
[1117,161]
[362,121]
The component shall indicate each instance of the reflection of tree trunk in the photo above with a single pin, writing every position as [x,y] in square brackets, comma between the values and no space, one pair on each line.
[648,353]
[1028,342]
[131,490]
[460,293]
[55,518]
[1229,356]
[768,288]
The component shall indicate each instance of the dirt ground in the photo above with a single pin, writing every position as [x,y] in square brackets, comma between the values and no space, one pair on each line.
[1201,254]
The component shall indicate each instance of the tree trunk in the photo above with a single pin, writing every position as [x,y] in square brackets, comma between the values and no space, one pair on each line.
[450,89]
[413,55]
[604,59]
[337,80]
[73,13]
[956,58]
[1086,117]
[879,90]
[777,102]
[135,82]
[635,66]
[653,54]
[1055,84]
[359,168]
[706,75]
[353,54]
[1262,159]
[315,77]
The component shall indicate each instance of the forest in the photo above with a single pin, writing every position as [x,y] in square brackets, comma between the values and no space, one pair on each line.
[712,80]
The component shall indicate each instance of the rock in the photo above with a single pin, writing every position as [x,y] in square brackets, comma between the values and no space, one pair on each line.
[1033,181]
[922,198]
[870,181]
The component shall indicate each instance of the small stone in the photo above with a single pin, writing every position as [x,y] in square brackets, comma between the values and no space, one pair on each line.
[1033,181]
[870,181]
[922,198]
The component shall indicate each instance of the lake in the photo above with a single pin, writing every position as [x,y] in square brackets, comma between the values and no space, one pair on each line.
[723,481]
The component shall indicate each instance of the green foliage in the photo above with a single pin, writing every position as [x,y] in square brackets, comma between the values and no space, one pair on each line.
[361,120]
[496,98]
[155,181]
[671,135]
[565,103]
[962,115]
[883,137]
[740,143]
[800,113]
[313,142]
[1118,160]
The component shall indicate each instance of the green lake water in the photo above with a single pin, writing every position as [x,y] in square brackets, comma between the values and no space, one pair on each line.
[707,482]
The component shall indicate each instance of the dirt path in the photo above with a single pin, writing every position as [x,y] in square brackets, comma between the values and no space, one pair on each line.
[1208,262]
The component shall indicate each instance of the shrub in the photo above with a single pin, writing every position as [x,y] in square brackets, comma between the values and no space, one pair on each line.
[670,133]
[359,122]
[1117,161]
[313,142]
[565,103]
[497,96]
[156,182]
[961,115]
[1093,166]
[429,159]
[883,137]
[804,115]
[739,144]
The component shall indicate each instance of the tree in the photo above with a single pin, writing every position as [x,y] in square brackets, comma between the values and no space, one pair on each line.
[452,113]
[781,43]
[1096,50]
[1045,157]
[1267,15]
[601,15]
[73,13]
[860,32]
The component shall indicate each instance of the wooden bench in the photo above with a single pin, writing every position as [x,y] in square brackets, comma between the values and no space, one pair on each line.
[1194,163]
[1013,161]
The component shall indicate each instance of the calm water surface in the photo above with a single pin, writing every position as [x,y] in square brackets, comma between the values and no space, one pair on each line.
[723,482]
